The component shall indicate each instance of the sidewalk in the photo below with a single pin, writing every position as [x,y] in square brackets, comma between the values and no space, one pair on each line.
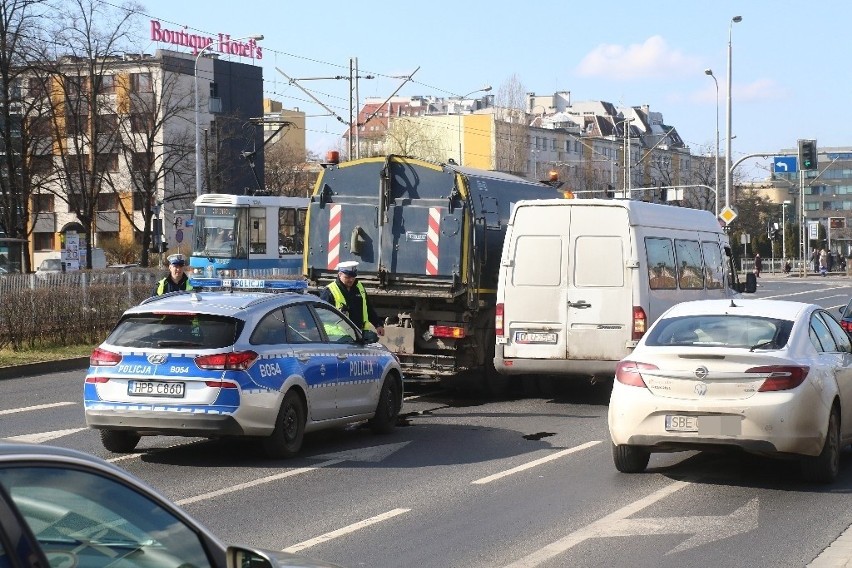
[31,369]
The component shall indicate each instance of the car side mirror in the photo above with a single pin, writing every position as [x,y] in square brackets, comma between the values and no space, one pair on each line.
[369,336]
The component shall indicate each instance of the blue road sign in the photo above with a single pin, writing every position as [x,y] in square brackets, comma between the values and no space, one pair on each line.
[784,165]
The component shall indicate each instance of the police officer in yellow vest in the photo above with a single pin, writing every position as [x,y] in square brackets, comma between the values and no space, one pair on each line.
[348,296]
[176,280]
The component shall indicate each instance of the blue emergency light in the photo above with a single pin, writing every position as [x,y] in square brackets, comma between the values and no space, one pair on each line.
[250,284]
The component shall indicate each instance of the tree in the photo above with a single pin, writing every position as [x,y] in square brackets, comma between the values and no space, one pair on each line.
[287,173]
[753,213]
[512,147]
[415,137]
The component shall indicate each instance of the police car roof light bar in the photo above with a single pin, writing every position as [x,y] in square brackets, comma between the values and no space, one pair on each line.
[249,284]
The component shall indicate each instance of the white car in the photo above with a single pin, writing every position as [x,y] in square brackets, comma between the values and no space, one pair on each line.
[772,378]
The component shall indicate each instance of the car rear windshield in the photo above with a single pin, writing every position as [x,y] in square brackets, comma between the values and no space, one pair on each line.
[720,330]
[197,331]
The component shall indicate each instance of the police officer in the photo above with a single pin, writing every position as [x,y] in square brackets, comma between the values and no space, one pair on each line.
[177,280]
[348,296]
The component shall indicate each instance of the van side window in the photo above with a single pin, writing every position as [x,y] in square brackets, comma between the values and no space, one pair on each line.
[714,269]
[690,271]
[661,263]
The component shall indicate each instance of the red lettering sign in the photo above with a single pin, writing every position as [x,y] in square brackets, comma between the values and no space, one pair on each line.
[199,42]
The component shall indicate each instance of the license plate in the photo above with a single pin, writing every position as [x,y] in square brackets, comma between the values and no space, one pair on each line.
[682,423]
[156,388]
[534,337]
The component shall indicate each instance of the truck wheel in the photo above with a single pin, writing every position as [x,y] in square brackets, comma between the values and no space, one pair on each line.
[119,441]
[387,410]
[630,459]
[825,467]
[286,440]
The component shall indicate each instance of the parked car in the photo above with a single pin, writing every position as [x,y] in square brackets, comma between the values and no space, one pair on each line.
[772,378]
[50,266]
[262,365]
[66,508]
[846,317]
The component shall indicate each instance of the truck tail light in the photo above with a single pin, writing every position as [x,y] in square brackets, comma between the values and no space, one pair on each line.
[451,331]
[236,361]
[781,377]
[630,373]
[498,320]
[103,358]
[640,323]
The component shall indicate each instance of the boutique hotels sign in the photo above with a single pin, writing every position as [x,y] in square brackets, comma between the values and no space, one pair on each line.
[223,44]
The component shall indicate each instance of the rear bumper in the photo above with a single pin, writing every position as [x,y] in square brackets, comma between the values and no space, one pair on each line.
[564,367]
[165,424]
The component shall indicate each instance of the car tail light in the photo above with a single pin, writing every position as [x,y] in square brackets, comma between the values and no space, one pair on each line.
[498,320]
[630,373]
[221,384]
[847,325]
[781,377]
[640,323]
[450,331]
[236,361]
[103,358]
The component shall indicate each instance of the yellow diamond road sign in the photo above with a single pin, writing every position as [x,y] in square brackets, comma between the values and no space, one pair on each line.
[727,215]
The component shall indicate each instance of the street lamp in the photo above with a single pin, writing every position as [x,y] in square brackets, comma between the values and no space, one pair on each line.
[482,90]
[784,231]
[734,20]
[198,172]
[710,73]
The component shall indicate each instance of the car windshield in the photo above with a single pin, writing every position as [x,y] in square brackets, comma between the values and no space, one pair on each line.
[198,331]
[721,330]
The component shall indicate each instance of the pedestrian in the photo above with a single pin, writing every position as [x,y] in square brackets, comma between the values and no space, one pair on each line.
[348,295]
[815,260]
[823,262]
[177,279]
[758,265]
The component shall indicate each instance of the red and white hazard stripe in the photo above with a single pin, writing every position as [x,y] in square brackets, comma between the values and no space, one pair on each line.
[334,236]
[432,237]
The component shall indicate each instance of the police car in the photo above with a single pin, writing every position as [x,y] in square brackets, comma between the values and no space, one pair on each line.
[238,362]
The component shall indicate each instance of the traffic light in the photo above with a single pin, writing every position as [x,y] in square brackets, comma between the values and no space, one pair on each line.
[807,155]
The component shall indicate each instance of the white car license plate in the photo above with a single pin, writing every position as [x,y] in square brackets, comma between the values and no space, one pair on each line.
[681,423]
[534,337]
[156,388]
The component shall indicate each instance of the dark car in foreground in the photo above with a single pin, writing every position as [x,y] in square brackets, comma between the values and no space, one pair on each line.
[60,507]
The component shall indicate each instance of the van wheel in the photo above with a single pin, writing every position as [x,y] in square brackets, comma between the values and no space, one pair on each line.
[630,459]
[493,384]
[286,440]
[825,467]
[119,441]
[387,410]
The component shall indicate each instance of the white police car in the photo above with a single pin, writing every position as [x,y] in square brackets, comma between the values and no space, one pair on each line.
[238,363]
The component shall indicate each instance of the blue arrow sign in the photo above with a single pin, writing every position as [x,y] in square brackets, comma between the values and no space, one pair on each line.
[784,165]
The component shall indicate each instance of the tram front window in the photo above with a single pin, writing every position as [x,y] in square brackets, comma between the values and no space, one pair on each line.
[218,237]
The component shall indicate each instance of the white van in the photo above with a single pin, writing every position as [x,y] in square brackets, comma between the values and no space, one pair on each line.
[582,279]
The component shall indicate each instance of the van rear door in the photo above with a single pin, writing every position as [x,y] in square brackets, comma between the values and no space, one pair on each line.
[567,289]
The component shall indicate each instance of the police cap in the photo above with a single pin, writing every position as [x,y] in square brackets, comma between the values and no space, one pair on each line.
[349,268]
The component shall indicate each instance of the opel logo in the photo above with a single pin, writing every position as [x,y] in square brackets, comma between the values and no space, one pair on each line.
[701,389]
[701,373]
[157,358]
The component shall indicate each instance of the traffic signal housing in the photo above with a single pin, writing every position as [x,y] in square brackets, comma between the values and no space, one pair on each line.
[807,155]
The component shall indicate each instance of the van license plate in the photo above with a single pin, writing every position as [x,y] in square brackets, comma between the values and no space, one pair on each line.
[681,423]
[534,337]
[156,388]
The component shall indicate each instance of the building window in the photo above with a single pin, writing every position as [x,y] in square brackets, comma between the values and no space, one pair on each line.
[75,124]
[138,201]
[214,90]
[106,123]
[36,87]
[107,202]
[76,85]
[43,203]
[107,86]
[142,122]
[75,202]
[41,165]
[107,162]
[141,82]
[43,241]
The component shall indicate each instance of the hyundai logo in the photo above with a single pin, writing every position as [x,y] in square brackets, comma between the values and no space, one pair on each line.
[157,358]
[701,389]
[701,373]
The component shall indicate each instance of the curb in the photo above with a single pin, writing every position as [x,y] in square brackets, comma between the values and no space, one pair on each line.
[42,367]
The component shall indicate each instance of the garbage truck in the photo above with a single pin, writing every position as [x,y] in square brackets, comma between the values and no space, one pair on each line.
[428,238]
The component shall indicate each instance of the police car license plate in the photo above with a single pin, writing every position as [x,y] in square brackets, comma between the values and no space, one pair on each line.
[534,337]
[682,423]
[156,388]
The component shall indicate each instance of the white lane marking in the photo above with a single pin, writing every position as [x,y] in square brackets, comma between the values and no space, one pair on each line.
[36,407]
[534,463]
[44,436]
[255,482]
[423,394]
[345,530]
[125,457]
[827,297]
[805,292]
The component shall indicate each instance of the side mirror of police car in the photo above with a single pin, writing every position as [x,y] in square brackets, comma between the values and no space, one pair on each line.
[369,336]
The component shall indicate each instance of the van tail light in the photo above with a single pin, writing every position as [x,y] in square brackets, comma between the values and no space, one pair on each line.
[450,331]
[498,320]
[236,361]
[630,373]
[640,323]
[103,358]
[781,377]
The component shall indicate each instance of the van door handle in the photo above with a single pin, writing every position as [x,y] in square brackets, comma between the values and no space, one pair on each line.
[582,304]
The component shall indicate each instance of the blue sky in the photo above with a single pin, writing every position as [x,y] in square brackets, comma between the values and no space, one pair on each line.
[791,75]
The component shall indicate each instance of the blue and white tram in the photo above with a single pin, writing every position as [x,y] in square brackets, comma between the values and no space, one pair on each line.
[260,234]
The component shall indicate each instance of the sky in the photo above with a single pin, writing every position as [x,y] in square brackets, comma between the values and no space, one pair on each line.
[790,72]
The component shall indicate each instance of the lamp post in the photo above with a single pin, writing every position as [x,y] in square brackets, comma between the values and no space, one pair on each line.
[483,90]
[710,73]
[734,20]
[198,172]
[784,231]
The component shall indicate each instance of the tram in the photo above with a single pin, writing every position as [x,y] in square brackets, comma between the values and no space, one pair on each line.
[236,235]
